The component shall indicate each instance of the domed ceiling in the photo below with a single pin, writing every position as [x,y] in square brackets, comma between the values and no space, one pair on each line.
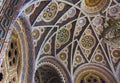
[60,41]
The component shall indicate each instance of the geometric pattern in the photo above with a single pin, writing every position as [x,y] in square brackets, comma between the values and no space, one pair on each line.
[72,32]
[75,41]
[8,13]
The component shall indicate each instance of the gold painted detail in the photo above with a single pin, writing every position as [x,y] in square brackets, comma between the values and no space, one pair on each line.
[92,3]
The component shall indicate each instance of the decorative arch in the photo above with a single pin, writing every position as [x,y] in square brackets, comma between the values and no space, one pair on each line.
[18,64]
[75,32]
[51,70]
[93,73]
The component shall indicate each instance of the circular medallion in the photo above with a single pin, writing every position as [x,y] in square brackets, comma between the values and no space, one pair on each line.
[71,12]
[113,10]
[97,21]
[82,22]
[87,41]
[63,36]
[116,53]
[98,58]
[92,3]
[50,12]
[61,6]
[93,6]
[36,34]
[63,56]
[47,48]
[78,59]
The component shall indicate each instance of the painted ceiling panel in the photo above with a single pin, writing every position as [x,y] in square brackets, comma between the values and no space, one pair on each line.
[75,41]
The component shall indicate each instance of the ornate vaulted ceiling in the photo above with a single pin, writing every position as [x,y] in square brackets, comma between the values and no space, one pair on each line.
[60,41]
